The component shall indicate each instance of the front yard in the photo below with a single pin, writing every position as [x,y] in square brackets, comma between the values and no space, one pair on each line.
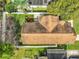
[19,54]
[30,53]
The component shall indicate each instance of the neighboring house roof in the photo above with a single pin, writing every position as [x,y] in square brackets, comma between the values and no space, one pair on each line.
[35,27]
[38,2]
[58,51]
[48,30]
[56,54]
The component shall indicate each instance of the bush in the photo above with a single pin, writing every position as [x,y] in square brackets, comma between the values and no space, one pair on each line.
[66,9]
[10,7]
[29,18]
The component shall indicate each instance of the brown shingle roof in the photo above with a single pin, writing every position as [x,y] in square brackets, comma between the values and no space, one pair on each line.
[36,27]
[49,22]
[37,32]
[33,27]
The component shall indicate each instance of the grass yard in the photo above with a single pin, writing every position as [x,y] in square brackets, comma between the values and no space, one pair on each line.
[19,54]
[76,25]
[73,46]
[5,56]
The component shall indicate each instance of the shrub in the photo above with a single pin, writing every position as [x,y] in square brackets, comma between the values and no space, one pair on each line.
[66,9]
[29,18]
[10,7]
[6,48]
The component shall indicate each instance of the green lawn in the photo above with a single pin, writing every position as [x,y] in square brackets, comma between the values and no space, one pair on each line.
[27,53]
[73,46]
[19,54]
[5,56]
[76,25]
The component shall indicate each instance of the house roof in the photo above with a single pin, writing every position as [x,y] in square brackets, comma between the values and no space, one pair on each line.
[36,27]
[38,2]
[47,24]
[56,51]
[56,54]
[48,30]
[33,27]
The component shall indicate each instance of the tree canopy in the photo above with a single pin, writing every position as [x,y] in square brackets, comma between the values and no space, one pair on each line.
[6,49]
[66,9]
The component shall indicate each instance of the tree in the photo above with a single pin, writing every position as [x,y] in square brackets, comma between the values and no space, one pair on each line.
[10,7]
[21,3]
[66,9]
[6,49]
